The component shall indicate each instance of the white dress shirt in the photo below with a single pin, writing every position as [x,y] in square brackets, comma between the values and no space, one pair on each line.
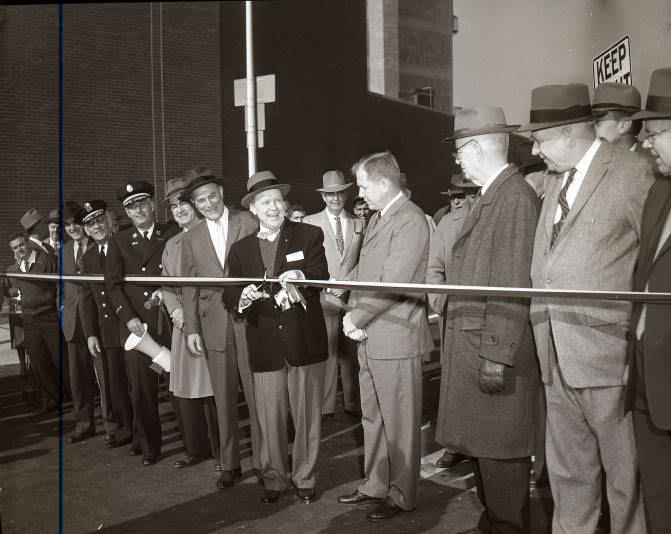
[25,264]
[580,170]
[343,223]
[386,208]
[218,233]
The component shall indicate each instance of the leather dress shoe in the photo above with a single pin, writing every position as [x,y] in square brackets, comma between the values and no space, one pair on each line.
[76,437]
[306,495]
[108,437]
[357,498]
[187,461]
[269,496]
[217,466]
[450,459]
[135,450]
[150,459]
[383,511]
[227,478]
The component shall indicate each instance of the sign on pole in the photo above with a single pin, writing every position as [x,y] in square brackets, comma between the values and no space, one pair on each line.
[265,93]
[613,64]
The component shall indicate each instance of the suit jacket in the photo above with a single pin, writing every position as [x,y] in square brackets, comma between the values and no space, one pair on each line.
[96,310]
[38,299]
[494,248]
[275,337]
[395,249]
[655,272]
[339,265]
[70,310]
[596,249]
[129,254]
[204,310]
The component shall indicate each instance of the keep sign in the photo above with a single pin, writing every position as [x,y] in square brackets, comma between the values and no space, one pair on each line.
[614,64]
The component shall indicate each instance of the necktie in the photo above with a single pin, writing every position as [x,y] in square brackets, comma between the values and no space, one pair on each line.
[340,241]
[145,234]
[563,205]
[78,253]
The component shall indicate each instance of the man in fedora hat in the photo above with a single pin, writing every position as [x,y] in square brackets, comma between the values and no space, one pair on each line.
[101,330]
[286,335]
[490,385]
[343,234]
[32,221]
[587,238]
[137,251]
[620,102]
[79,359]
[54,226]
[393,333]
[460,193]
[211,330]
[649,384]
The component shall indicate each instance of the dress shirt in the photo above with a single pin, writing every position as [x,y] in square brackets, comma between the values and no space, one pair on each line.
[386,208]
[581,169]
[25,264]
[102,249]
[150,231]
[269,234]
[218,232]
[343,223]
[491,179]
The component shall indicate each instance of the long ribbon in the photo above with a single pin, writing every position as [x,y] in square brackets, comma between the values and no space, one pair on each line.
[387,287]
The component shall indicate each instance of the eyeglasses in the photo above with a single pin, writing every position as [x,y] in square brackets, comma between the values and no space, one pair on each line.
[651,137]
[457,155]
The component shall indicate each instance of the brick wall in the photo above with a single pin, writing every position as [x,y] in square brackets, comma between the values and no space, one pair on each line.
[120,124]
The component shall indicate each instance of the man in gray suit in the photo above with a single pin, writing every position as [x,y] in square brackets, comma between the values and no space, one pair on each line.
[343,234]
[587,238]
[394,332]
[212,332]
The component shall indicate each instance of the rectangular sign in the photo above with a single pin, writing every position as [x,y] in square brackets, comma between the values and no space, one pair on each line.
[265,89]
[614,64]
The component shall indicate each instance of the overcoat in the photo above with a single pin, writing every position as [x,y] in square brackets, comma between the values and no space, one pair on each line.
[655,272]
[71,306]
[189,374]
[295,336]
[494,248]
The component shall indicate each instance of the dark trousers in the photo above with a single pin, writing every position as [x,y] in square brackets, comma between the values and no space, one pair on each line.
[144,399]
[503,489]
[42,340]
[81,384]
[198,422]
[118,390]
[654,457]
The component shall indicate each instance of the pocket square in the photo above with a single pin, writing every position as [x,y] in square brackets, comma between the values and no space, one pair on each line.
[295,256]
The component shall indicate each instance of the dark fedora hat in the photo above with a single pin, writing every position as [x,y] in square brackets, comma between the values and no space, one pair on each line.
[557,105]
[611,96]
[199,176]
[470,122]
[658,103]
[262,181]
[333,181]
[458,183]
[54,216]
[175,187]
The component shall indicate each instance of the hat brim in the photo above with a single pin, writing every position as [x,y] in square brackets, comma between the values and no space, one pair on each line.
[532,127]
[460,134]
[650,115]
[193,186]
[249,197]
[334,188]
[176,193]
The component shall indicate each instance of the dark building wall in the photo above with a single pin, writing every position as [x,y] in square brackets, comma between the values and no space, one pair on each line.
[119,124]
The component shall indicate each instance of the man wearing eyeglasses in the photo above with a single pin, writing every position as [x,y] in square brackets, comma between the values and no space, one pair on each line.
[649,385]
[138,251]
[343,234]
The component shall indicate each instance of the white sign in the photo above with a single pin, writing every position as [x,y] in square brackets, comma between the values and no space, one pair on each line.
[614,64]
[265,89]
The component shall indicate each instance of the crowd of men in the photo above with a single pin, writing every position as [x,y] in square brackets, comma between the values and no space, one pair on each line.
[583,383]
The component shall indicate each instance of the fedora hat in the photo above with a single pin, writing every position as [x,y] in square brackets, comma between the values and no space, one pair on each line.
[611,96]
[262,181]
[557,105]
[30,218]
[72,211]
[470,122]
[458,183]
[658,103]
[54,216]
[333,181]
[175,187]
[199,176]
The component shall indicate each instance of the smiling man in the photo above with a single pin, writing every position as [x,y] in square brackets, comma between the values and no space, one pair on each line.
[286,335]
[137,251]
[343,234]
[211,330]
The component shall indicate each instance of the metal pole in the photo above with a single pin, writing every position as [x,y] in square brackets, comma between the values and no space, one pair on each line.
[250,106]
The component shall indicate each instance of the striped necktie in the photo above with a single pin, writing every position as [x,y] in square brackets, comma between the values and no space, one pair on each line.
[563,205]
[340,241]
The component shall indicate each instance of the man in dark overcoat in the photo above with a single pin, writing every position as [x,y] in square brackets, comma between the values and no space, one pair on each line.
[491,382]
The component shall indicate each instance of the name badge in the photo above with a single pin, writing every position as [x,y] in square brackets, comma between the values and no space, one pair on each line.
[295,256]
